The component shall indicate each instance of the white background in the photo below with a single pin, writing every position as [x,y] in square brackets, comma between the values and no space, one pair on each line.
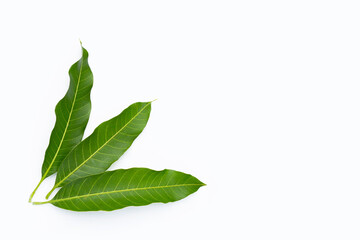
[258,99]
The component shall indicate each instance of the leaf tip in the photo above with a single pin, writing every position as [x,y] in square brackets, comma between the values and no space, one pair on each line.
[201,184]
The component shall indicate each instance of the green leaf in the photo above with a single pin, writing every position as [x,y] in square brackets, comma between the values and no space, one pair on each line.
[72,115]
[125,187]
[104,146]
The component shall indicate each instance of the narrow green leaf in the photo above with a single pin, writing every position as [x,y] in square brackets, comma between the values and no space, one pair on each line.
[72,115]
[105,145]
[125,187]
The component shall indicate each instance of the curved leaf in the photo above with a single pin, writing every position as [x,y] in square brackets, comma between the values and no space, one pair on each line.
[125,187]
[72,115]
[105,145]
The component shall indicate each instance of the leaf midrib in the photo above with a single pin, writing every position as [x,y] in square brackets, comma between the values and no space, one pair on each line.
[123,190]
[56,185]
[68,121]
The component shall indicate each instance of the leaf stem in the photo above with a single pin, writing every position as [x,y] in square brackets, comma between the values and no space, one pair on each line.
[40,203]
[48,195]
[33,193]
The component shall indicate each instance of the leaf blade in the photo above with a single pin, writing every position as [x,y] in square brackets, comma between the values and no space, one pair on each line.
[105,145]
[72,115]
[125,187]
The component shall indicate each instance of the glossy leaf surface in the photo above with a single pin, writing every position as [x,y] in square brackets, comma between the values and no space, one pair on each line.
[125,187]
[105,145]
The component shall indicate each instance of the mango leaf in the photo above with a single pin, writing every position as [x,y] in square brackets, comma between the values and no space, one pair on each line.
[104,146]
[72,115]
[125,187]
